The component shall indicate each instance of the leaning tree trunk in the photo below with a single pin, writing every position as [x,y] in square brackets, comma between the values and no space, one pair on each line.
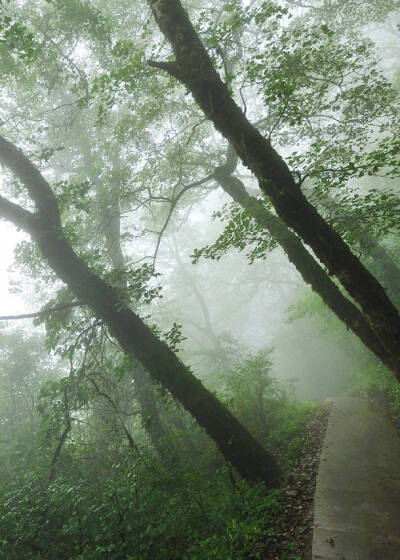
[311,272]
[387,270]
[238,446]
[193,67]
[235,442]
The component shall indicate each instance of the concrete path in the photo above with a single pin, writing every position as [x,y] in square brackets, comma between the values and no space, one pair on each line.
[357,498]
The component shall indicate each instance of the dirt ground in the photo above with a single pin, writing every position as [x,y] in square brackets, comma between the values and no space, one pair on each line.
[293,529]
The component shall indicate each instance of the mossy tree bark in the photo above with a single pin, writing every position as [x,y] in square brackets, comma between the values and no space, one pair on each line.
[193,67]
[238,446]
[386,269]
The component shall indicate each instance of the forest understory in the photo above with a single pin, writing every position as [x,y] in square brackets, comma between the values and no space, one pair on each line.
[136,508]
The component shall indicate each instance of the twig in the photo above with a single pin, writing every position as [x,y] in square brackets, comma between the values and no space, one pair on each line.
[43,312]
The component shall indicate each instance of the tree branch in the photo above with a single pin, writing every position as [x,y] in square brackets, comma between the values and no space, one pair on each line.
[171,68]
[42,312]
[62,440]
[36,185]
[174,202]
[19,216]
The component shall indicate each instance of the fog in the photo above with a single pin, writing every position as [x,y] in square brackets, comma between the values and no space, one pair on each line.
[190,267]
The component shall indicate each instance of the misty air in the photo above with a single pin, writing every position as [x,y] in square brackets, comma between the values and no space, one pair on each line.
[200,280]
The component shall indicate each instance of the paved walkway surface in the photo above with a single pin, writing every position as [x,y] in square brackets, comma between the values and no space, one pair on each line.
[357,499]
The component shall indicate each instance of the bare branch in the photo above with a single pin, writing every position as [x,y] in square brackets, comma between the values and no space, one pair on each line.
[127,433]
[63,438]
[174,202]
[42,312]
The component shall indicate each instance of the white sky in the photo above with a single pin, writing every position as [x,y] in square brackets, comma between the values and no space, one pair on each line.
[9,303]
